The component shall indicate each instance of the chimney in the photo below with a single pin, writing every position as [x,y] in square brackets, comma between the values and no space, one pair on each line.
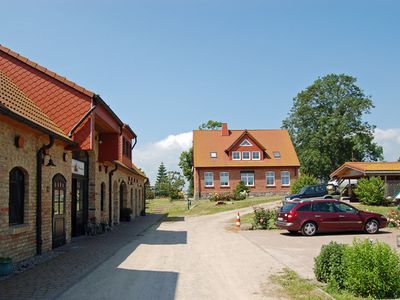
[224,129]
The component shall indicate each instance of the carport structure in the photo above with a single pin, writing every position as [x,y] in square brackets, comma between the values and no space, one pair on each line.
[388,171]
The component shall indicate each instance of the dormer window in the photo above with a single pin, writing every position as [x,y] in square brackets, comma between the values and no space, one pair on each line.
[255,155]
[213,154]
[277,154]
[246,155]
[245,143]
[235,155]
[126,148]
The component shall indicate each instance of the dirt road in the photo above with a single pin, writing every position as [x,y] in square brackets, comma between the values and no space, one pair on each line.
[196,258]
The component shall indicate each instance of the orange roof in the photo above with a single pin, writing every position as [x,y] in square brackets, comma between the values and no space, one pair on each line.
[206,141]
[367,168]
[46,71]
[15,101]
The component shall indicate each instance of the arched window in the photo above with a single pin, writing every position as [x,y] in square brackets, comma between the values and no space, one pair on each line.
[59,191]
[16,197]
[102,195]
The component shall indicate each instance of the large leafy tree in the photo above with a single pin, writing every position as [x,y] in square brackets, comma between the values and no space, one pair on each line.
[327,126]
[161,186]
[186,157]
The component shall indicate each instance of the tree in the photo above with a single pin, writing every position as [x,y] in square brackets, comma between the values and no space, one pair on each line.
[175,185]
[211,125]
[327,127]
[161,186]
[186,157]
[186,165]
[302,181]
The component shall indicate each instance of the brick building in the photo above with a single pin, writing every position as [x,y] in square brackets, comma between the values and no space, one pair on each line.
[65,160]
[265,160]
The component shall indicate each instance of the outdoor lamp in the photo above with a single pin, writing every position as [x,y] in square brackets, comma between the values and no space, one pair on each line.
[50,163]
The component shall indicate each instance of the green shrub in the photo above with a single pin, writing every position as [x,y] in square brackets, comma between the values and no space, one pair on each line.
[222,197]
[264,218]
[302,181]
[329,265]
[149,193]
[371,191]
[371,270]
[241,191]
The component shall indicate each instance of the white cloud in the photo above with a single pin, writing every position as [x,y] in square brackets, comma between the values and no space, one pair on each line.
[389,139]
[149,156]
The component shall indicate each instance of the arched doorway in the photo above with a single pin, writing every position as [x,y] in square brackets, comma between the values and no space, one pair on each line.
[59,193]
[123,199]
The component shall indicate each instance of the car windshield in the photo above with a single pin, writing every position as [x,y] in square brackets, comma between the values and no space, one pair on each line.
[303,190]
[287,207]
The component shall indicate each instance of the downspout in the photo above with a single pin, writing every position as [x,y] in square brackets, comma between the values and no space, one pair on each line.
[39,164]
[134,144]
[110,175]
[85,116]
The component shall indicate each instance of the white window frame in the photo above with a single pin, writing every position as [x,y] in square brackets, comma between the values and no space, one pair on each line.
[240,155]
[259,155]
[226,174]
[246,182]
[288,176]
[270,174]
[279,153]
[248,153]
[212,179]
[213,154]
[242,144]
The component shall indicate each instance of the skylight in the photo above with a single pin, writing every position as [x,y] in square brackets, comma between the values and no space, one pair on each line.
[277,154]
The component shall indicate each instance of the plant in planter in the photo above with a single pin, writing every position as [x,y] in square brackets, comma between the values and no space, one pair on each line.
[5,266]
[126,214]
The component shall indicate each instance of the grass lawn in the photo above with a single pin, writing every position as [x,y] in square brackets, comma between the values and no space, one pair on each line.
[377,209]
[178,208]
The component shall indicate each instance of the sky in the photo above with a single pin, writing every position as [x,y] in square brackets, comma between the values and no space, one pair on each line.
[166,66]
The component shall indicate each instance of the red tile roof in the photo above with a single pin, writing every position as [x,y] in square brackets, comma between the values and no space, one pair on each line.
[206,141]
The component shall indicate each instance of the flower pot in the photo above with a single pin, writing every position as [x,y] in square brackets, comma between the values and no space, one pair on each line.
[6,268]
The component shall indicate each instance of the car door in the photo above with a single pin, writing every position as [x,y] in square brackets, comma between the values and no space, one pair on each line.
[349,218]
[325,215]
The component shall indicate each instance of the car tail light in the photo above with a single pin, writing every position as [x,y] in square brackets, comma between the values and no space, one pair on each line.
[291,215]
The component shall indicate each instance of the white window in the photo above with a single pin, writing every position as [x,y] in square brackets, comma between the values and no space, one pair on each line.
[224,178]
[270,178]
[285,178]
[235,155]
[245,143]
[255,155]
[209,179]
[246,155]
[277,154]
[247,178]
[213,154]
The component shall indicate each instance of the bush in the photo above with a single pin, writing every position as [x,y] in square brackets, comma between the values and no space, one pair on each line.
[371,191]
[372,270]
[176,194]
[302,181]
[328,265]
[393,217]
[264,218]
[149,193]
[221,197]
[241,191]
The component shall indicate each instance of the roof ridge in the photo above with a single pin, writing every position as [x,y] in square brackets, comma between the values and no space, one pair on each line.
[46,71]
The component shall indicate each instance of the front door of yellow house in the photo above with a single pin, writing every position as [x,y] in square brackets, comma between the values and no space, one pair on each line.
[59,194]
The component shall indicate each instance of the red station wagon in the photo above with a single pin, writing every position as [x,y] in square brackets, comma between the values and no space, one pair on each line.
[314,216]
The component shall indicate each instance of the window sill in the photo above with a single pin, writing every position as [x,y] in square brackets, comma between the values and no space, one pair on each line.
[17,229]
[285,185]
[271,186]
[224,186]
[209,187]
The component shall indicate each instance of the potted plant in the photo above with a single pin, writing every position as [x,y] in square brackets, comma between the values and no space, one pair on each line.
[126,214]
[5,266]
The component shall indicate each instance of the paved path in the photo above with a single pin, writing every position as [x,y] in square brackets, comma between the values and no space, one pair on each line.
[196,258]
[77,259]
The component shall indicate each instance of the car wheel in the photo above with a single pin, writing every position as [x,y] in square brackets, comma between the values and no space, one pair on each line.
[372,226]
[292,231]
[309,229]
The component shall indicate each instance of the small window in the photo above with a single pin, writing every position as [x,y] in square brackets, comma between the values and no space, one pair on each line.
[344,208]
[224,178]
[245,143]
[16,197]
[235,155]
[285,178]
[245,155]
[209,179]
[270,178]
[287,207]
[277,154]
[255,155]
[213,154]
[247,178]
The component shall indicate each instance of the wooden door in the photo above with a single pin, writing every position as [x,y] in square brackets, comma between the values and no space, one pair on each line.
[59,193]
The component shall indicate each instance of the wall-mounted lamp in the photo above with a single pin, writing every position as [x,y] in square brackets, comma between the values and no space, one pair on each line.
[65,156]
[50,163]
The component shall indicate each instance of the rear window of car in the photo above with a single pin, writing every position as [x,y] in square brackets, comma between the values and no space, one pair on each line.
[306,207]
[287,207]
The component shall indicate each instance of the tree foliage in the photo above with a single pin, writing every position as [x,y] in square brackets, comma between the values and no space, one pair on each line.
[371,191]
[211,125]
[175,185]
[327,127]
[161,186]
[302,181]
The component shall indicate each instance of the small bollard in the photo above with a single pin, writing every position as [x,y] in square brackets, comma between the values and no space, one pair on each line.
[189,202]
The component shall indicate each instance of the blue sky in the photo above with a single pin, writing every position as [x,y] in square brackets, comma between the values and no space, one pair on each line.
[167,66]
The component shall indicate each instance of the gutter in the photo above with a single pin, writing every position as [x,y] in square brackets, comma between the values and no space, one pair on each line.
[134,144]
[110,175]
[39,165]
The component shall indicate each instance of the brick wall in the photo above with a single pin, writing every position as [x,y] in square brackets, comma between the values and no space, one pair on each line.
[260,187]
[19,241]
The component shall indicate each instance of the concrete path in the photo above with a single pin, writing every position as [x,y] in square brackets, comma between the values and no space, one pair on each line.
[192,258]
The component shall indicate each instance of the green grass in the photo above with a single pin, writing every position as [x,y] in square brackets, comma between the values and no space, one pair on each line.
[294,287]
[178,208]
[247,218]
[377,209]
